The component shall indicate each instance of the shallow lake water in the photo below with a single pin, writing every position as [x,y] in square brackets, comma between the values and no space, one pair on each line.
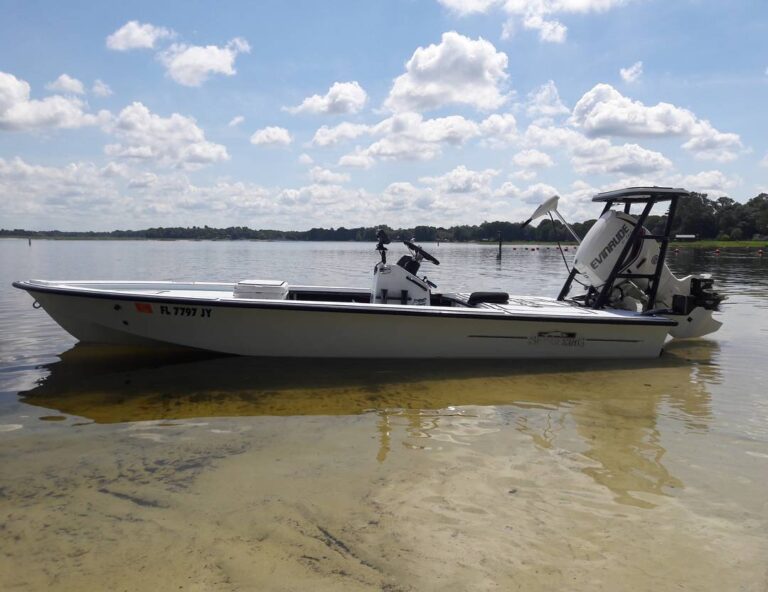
[127,469]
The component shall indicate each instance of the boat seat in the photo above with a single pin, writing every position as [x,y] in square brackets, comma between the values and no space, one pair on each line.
[489,297]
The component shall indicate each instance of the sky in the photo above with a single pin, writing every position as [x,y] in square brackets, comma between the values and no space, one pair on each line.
[299,114]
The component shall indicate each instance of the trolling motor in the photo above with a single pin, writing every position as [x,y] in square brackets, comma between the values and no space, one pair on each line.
[399,284]
[622,264]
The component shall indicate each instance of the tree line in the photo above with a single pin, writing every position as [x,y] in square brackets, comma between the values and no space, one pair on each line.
[722,218]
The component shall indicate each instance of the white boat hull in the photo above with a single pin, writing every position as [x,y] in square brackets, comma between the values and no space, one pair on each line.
[207,317]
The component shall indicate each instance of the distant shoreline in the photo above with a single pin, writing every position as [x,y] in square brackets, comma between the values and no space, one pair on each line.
[721,223]
[700,244]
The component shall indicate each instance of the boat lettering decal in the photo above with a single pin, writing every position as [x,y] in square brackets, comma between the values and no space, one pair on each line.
[185,311]
[612,244]
[144,307]
[560,338]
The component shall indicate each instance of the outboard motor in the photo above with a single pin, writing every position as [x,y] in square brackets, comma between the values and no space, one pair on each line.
[623,263]
[399,284]
[689,300]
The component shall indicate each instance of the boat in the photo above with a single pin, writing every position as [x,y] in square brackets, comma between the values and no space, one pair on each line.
[629,306]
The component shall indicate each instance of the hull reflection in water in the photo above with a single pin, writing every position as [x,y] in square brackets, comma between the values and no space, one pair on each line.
[118,385]
[615,408]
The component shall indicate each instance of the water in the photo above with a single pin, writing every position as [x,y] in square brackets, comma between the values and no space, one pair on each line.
[134,470]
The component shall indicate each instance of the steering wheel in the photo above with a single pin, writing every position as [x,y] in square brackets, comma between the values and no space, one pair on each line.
[422,252]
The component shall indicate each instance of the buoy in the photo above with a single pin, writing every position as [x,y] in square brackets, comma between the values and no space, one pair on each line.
[717,251]
[677,250]
[760,252]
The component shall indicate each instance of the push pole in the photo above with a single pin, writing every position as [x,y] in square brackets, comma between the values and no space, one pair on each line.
[499,255]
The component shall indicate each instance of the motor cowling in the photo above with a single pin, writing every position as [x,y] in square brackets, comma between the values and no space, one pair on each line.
[602,246]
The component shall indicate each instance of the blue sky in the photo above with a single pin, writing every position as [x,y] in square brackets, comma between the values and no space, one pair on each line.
[299,114]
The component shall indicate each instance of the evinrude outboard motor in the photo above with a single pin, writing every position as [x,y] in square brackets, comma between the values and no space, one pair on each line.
[399,284]
[623,263]
[635,277]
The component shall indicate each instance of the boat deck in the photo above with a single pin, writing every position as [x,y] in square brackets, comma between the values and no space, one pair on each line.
[334,298]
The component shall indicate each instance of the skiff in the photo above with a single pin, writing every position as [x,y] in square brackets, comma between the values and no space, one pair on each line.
[630,304]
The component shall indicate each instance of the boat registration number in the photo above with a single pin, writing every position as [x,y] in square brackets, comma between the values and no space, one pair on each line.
[185,311]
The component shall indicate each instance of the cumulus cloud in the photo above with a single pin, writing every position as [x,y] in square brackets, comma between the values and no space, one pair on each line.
[191,65]
[404,136]
[235,121]
[710,182]
[408,136]
[602,157]
[764,162]
[342,97]
[327,177]
[329,136]
[597,155]
[174,141]
[71,190]
[532,159]
[271,136]
[403,196]
[101,88]
[358,159]
[462,180]
[524,175]
[466,194]
[76,195]
[305,159]
[66,84]
[633,73]
[136,35]
[499,130]
[537,15]
[458,70]
[544,102]
[537,193]
[549,30]
[507,190]
[709,144]
[119,195]
[551,136]
[124,195]
[18,112]
[311,196]
[143,180]
[604,111]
